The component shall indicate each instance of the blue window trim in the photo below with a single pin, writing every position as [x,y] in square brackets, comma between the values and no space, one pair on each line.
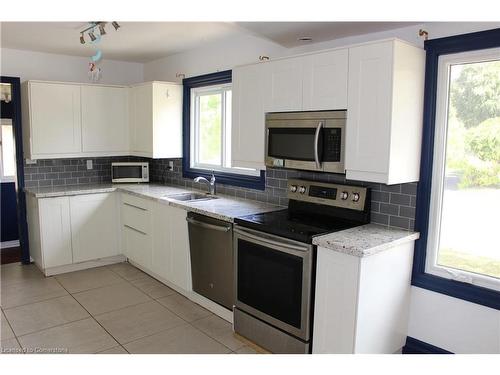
[435,48]
[252,182]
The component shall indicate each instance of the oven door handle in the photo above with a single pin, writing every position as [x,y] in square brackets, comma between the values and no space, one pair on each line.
[266,240]
[316,141]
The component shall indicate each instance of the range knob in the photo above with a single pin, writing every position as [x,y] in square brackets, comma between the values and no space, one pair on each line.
[355,197]
[344,195]
[293,188]
[302,189]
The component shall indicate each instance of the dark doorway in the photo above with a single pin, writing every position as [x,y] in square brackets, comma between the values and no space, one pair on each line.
[13,196]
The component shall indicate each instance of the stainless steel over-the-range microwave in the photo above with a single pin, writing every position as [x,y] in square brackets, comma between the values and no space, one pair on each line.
[306,140]
[130,172]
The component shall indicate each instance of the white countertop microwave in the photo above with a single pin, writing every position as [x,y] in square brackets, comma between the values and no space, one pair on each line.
[129,172]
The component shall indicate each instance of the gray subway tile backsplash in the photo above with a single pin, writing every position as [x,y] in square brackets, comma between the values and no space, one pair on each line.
[392,205]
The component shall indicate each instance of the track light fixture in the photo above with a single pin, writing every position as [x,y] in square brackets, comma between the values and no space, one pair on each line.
[101,29]
[115,25]
[92,36]
[82,39]
[92,28]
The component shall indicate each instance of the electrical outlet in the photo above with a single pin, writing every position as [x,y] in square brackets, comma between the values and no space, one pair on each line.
[89,164]
[171,165]
[29,161]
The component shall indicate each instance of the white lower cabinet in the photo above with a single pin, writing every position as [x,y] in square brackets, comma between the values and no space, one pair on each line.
[170,258]
[94,226]
[55,231]
[71,233]
[362,304]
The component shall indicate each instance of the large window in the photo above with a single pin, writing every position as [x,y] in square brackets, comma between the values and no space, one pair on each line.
[207,132]
[459,191]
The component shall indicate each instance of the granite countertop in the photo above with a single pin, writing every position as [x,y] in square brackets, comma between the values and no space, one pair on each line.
[365,240]
[224,207]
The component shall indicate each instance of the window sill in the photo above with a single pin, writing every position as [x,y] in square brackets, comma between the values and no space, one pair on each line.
[468,292]
[233,179]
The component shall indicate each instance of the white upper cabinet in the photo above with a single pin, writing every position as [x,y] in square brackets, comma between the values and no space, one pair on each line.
[248,117]
[384,112]
[325,81]
[51,119]
[104,119]
[283,84]
[156,120]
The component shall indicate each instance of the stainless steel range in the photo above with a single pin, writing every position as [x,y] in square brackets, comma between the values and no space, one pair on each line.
[274,262]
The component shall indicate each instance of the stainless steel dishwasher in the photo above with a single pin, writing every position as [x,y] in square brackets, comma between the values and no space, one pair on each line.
[211,246]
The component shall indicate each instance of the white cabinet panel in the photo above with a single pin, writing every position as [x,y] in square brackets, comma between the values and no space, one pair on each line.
[162,237]
[55,121]
[141,119]
[179,240]
[137,246]
[283,85]
[55,231]
[384,112]
[325,81]
[248,117]
[94,226]
[105,119]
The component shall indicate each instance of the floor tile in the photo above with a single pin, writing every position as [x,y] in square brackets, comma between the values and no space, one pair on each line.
[115,350]
[183,307]
[92,278]
[152,287]
[220,330]
[10,346]
[15,272]
[246,350]
[179,340]
[42,315]
[5,332]
[83,336]
[111,297]
[127,271]
[138,321]
[30,291]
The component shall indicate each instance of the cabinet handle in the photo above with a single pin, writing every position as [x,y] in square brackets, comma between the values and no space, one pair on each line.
[131,205]
[136,230]
[316,140]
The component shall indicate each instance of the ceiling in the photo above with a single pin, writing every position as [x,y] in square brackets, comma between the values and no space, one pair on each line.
[146,41]
[287,34]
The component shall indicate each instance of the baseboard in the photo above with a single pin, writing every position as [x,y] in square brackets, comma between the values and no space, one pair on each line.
[9,244]
[414,346]
[83,265]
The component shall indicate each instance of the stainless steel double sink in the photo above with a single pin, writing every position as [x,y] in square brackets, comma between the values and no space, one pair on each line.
[190,197]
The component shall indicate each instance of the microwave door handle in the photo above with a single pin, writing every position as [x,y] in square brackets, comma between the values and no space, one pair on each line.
[316,146]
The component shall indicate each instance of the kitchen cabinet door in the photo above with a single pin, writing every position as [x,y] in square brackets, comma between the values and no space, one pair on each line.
[283,89]
[55,119]
[94,226]
[162,238]
[179,242]
[248,117]
[141,120]
[55,231]
[105,119]
[385,106]
[325,81]
[137,246]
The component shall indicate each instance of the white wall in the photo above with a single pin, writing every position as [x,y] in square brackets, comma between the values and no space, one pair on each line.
[52,67]
[449,323]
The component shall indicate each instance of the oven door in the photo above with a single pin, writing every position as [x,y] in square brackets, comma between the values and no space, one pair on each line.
[273,280]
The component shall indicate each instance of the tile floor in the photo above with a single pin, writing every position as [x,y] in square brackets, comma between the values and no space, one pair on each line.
[115,309]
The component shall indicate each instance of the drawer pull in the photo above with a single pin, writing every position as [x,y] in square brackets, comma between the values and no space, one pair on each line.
[131,205]
[134,229]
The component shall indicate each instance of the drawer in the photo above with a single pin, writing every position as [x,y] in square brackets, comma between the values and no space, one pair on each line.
[138,246]
[136,214]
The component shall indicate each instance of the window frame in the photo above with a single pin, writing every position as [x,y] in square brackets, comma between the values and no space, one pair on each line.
[5,178]
[420,277]
[188,171]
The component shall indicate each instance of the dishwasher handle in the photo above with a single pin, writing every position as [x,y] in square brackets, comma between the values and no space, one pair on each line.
[201,224]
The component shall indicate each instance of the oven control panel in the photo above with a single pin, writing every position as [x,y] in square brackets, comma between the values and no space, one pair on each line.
[344,196]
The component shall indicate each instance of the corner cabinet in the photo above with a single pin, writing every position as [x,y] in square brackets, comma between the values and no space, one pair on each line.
[384,112]
[156,120]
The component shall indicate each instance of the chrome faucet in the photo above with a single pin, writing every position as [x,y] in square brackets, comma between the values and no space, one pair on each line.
[211,184]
